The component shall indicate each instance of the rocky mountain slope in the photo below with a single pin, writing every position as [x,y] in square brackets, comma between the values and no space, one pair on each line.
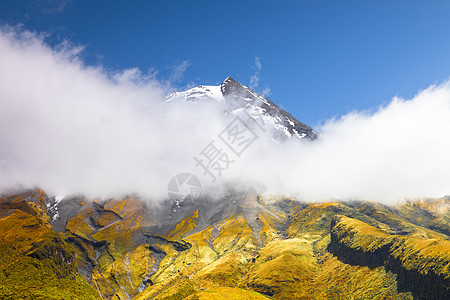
[242,246]
[238,99]
[35,261]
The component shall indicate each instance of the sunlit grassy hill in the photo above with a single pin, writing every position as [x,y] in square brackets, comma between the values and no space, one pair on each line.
[243,246]
[35,261]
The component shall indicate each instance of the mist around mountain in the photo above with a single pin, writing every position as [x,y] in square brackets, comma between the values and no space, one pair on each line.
[241,101]
[71,128]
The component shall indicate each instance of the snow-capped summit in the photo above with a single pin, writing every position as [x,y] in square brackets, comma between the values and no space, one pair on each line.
[201,92]
[239,98]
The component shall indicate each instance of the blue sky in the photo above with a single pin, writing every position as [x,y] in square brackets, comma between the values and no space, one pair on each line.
[319,59]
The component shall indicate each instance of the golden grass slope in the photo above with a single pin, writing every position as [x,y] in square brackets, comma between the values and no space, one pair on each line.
[275,248]
[35,263]
[282,269]
[105,235]
[228,255]
[422,264]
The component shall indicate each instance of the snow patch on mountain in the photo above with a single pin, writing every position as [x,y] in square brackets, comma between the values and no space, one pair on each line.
[52,207]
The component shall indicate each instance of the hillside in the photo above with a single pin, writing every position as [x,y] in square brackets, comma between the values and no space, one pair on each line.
[243,246]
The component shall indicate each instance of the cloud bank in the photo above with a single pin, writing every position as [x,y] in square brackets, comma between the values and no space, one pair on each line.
[71,128]
[399,151]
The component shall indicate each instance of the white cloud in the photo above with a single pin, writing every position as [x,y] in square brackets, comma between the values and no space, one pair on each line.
[72,128]
[179,70]
[49,7]
[399,151]
[254,79]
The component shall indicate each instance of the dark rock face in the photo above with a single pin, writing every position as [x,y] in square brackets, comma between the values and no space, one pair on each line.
[178,246]
[236,93]
[63,211]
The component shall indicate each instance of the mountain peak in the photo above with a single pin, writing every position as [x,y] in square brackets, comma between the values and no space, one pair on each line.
[241,96]
[231,86]
[240,99]
[229,78]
